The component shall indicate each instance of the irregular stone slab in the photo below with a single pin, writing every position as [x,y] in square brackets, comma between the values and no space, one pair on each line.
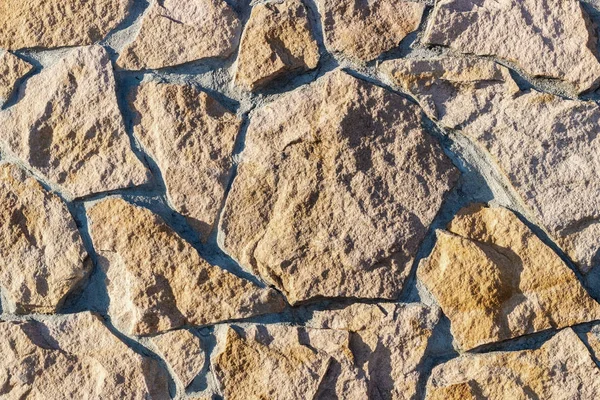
[191,138]
[58,23]
[285,362]
[561,369]
[182,351]
[335,205]
[12,69]
[42,257]
[74,356]
[364,30]
[552,162]
[553,38]
[277,41]
[393,340]
[156,281]
[496,280]
[174,32]
[52,129]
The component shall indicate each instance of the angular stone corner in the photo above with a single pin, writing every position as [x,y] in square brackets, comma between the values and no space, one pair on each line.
[12,69]
[182,352]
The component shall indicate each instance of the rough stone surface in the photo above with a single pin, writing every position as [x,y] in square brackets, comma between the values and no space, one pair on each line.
[335,205]
[52,129]
[58,23]
[496,280]
[363,30]
[175,32]
[277,41]
[191,137]
[552,38]
[552,162]
[42,257]
[561,369]
[12,69]
[74,357]
[156,281]
[183,352]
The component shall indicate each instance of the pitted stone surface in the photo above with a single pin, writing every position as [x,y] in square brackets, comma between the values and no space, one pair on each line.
[12,69]
[183,352]
[335,205]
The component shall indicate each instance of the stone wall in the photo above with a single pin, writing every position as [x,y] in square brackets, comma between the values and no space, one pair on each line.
[299,199]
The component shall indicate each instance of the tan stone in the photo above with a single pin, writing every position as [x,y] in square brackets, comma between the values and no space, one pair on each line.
[393,340]
[496,280]
[552,38]
[364,30]
[42,257]
[68,128]
[183,353]
[336,188]
[12,69]
[175,32]
[277,41]
[552,162]
[73,357]
[561,369]
[191,138]
[156,281]
[58,23]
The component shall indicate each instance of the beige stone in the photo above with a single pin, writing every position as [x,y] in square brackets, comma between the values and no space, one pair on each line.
[175,32]
[42,257]
[561,369]
[364,30]
[552,161]
[12,69]
[68,128]
[336,188]
[74,357]
[277,41]
[393,341]
[496,280]
[552,38]
[58,23]
[183,352]
[191,138]
[156,281]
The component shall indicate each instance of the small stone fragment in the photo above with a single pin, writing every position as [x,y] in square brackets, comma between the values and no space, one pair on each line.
[365,29]
[58,23]
[12,69]
[175,32]
[336,188]
[74,356]
[561,369]
[183,353]
[156,281]
[553,38]
[191,138]
[552,162]
[53,129]
[277,40]
[496,280]
[42,257]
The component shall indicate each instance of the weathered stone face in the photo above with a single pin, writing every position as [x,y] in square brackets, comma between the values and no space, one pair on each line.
[74,357]
[561,369]
[552,161]
[335,205]
[175,32]
[191,137]
[52,129]
[277,41]
[183,353]
[156,281]
[496,280]
[12,69]
[42,257]
[58,23]
[363,30]
[552,38]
